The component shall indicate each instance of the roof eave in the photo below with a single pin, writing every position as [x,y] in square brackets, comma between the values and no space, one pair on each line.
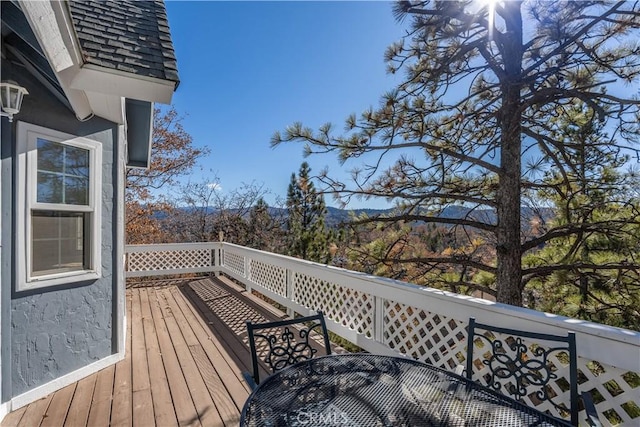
[53,28]
[90,89]
[95,78]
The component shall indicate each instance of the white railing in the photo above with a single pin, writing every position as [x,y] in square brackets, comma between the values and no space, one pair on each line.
[168,259]
[390,317]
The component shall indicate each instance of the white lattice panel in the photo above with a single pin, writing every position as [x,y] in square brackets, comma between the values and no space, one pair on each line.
[350,308]
[432,338]
[169,260]
[234,262]
[616,392]
[269,276]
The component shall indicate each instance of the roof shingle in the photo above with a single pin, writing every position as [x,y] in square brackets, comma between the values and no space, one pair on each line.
[131,36]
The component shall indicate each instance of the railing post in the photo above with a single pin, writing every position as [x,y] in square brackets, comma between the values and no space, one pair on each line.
[247,274]
[217,254]
[216,261]
[378,316]
[289,290]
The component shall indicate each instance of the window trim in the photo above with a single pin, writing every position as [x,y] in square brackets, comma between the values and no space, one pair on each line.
[26,171]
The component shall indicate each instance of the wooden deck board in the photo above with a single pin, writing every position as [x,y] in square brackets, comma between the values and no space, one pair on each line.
[35,412]
[232,368]
[222,381]
[59,407]
[142,402]
[100,413]
[183,403]
[122,405]
[202,400]
[183,364]
[165,414]
[81,404]
[233,343]
[13,419]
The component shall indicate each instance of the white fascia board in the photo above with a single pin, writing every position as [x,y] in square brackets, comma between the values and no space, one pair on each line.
[77,98]
[127,85]
[47,20]
[53,27]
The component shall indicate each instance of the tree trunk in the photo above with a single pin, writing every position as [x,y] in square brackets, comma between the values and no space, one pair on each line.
[508,249]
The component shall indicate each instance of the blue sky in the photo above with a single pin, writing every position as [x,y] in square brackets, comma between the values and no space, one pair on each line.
[248,69]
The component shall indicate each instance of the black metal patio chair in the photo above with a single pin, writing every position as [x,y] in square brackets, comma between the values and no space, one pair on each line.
[285,342]
[521,370]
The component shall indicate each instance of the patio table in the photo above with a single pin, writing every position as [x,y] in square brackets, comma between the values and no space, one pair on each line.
[365,390]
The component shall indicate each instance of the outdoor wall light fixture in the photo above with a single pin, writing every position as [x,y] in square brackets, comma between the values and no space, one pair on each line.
[11,96]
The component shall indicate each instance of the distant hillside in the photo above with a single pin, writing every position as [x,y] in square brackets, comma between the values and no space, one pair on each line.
[336,216]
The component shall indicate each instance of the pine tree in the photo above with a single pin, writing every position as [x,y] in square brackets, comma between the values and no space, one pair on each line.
[594,272]
[308,237]
[479,93]
[265,231]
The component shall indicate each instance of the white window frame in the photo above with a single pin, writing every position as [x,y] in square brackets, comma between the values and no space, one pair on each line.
[26,170]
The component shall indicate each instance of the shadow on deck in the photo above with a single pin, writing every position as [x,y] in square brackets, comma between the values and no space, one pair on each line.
[186,351]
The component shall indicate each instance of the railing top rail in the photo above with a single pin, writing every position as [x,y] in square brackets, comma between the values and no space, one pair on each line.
[171,246]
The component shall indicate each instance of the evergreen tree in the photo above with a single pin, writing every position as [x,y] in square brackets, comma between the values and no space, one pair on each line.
[594,272]
[476,104]
[308,237]
[264,230]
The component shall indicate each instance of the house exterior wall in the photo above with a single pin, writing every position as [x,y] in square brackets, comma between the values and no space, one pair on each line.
[50,332]
[5,264]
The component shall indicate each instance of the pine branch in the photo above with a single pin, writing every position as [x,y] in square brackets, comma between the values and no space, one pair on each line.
[574,229]
[546,270]
[428,219]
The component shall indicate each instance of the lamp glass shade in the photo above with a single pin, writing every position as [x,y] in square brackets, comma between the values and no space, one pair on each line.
[11,97]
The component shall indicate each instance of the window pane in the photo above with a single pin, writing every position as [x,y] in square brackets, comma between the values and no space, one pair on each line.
[63,174]
[43,228]
[59,242]
[76,191]
[50,188]
[76,161]
[50,156]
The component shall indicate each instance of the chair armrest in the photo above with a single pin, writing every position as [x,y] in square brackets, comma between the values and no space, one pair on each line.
[250,381]
[590,409]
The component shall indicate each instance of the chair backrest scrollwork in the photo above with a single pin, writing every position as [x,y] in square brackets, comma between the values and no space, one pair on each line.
[524,364]
[279,344]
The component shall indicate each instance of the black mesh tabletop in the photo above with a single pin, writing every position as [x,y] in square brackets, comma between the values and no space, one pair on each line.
[364,390]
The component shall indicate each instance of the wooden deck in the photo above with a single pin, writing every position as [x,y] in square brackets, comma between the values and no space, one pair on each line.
[184,361]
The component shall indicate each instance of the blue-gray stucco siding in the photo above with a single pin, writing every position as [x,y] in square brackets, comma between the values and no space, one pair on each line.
[50,332]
